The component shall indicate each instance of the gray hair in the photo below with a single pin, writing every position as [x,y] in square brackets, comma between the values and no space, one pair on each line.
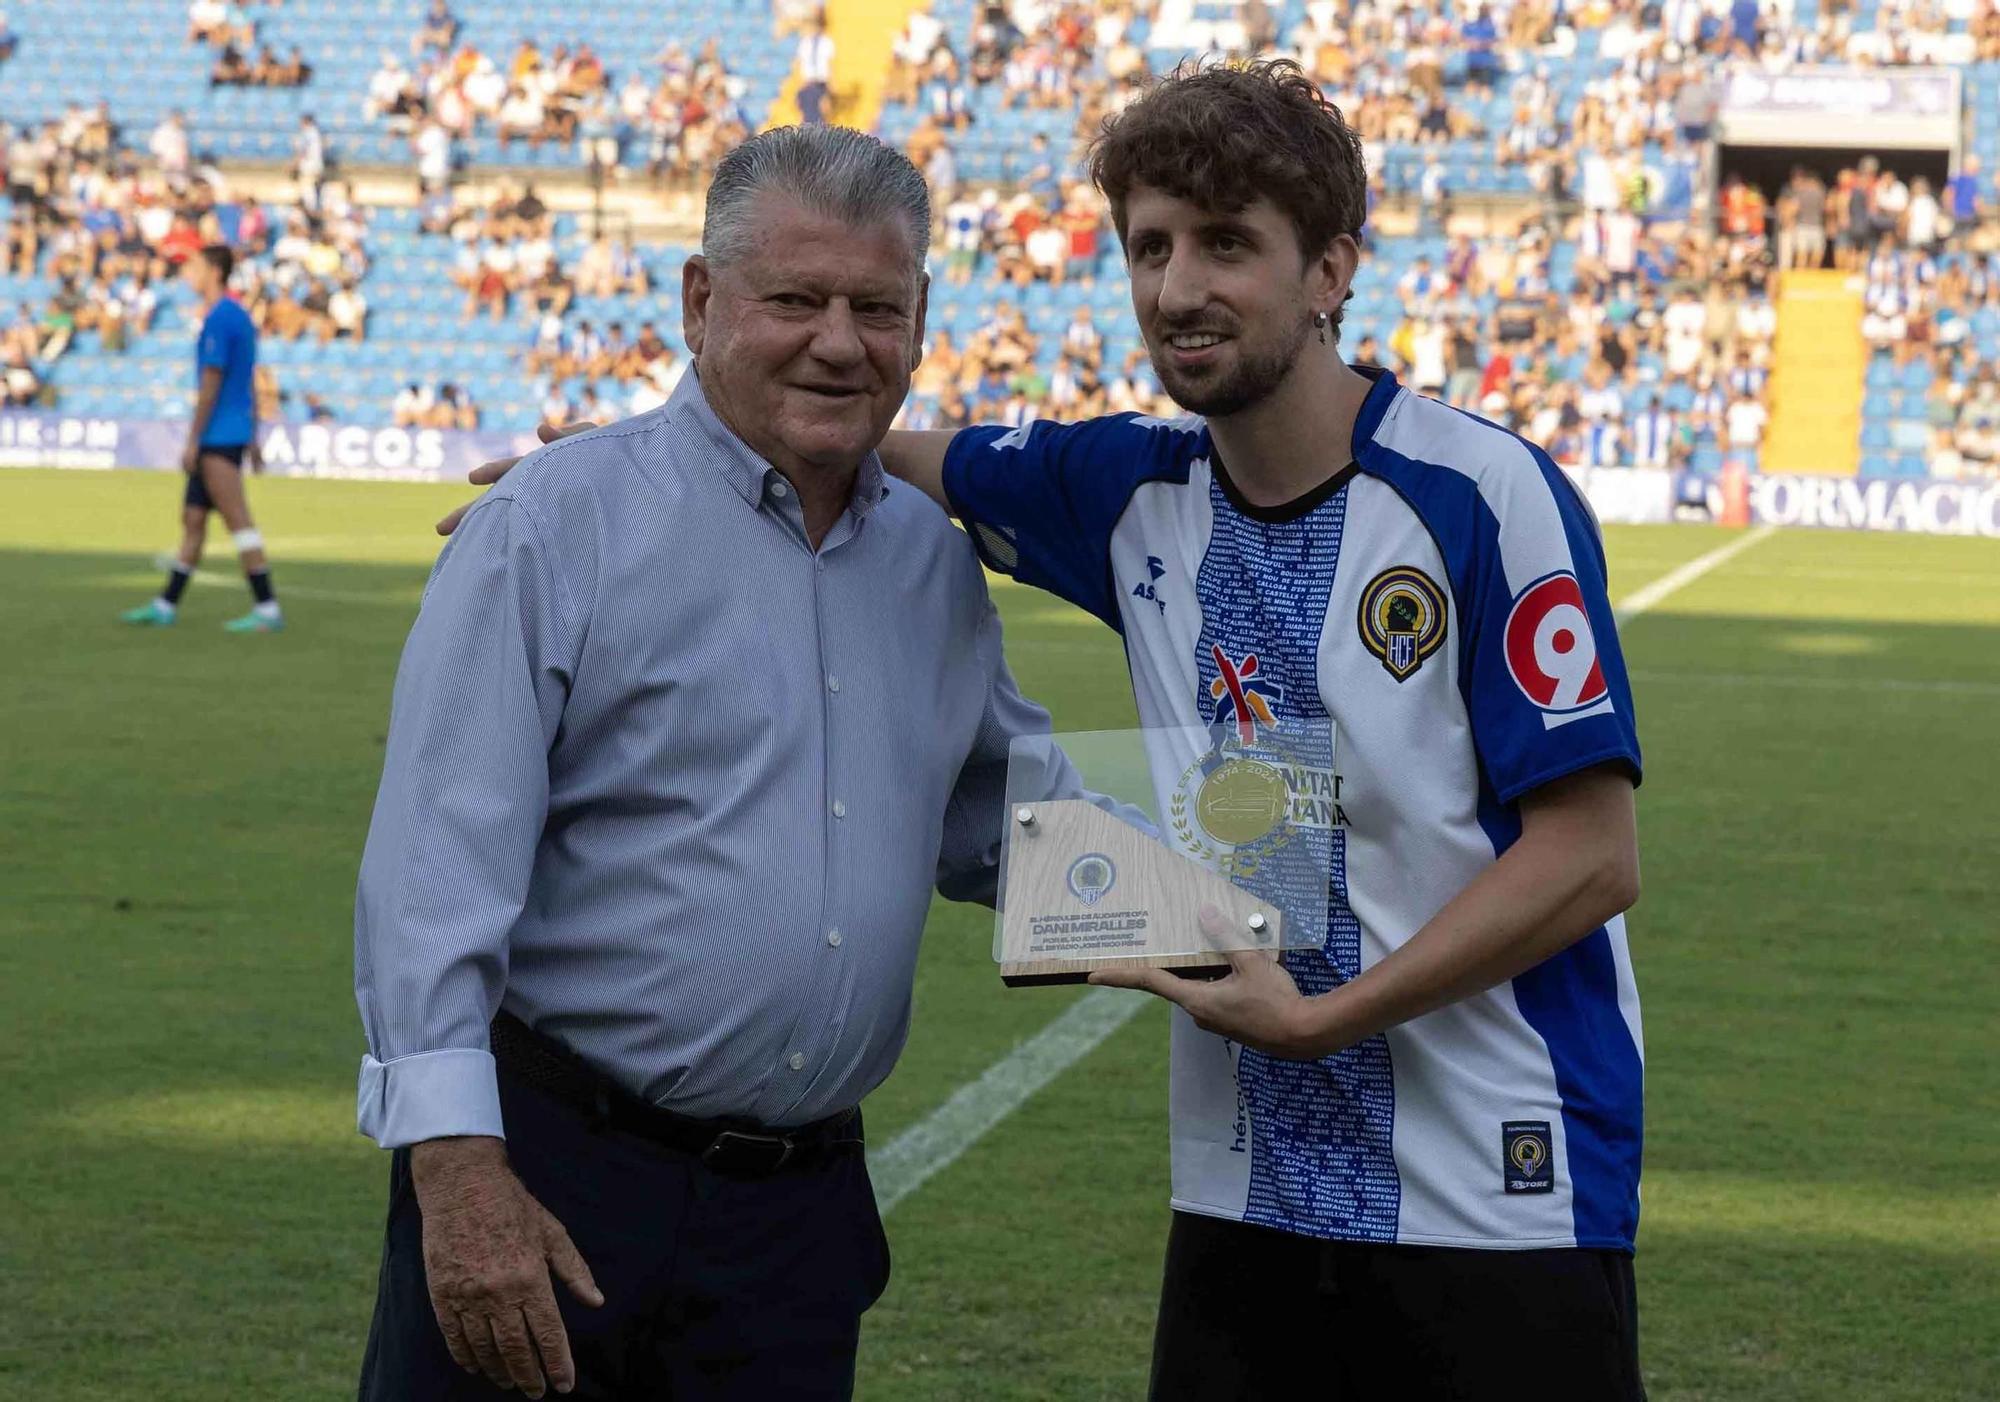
[834,171]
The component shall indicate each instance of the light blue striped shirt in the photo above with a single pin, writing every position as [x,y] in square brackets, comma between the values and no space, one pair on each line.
[672,787]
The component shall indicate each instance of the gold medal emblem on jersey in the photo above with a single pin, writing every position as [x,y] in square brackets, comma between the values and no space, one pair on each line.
[1402,619]
[1242,801]
[1233,807]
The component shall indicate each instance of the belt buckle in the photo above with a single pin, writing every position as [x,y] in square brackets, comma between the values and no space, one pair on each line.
[776,1151]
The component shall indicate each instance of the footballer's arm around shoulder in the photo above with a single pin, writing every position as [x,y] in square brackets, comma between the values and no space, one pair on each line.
[918,458]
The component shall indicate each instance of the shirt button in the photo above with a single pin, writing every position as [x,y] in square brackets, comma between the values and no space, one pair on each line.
[833,683]
[798,1061]
[839,809]
[779,489]
[833,938]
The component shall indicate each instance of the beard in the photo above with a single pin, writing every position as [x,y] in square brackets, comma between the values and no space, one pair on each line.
[1257,372]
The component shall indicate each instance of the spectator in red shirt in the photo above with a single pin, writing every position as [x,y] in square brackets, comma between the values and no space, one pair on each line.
[1499,373]
[1080,221]
[182,242]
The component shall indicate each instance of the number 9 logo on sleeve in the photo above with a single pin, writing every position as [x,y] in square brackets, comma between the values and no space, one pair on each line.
[1550,650]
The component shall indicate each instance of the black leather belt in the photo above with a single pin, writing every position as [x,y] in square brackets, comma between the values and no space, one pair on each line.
[740,1148]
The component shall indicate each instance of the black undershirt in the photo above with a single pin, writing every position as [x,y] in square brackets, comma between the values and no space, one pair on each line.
[1311,500]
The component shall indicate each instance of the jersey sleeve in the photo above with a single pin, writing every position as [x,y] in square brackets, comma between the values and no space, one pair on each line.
[1040,501]
[1545,676]
[220,338]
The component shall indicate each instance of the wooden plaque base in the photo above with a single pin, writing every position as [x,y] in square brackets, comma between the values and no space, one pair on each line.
[1050,933]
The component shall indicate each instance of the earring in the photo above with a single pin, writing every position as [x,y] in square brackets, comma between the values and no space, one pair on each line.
[1320,320]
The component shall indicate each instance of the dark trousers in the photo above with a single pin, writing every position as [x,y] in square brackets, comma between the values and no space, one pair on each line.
[714,1287]
[1248,1313]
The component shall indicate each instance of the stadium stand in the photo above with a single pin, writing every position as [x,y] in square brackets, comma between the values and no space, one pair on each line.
[1546,244]
[136,55]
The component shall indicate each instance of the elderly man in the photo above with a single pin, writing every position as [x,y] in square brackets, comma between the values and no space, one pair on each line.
[697,709]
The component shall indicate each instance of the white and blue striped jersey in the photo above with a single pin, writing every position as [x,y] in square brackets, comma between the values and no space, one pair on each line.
[1441,604]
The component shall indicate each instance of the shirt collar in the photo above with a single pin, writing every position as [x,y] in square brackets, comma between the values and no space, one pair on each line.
[750,475]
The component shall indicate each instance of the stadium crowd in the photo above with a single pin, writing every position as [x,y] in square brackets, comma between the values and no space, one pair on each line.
[507,266]
[1625,316]
[104,232]
[1657,349]
[676,119]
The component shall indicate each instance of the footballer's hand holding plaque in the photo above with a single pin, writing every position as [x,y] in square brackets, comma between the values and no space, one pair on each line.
[1090,879]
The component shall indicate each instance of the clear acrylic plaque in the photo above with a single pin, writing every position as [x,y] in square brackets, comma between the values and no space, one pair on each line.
[1169,846]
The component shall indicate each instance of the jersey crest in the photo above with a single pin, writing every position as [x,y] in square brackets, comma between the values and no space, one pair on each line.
[1402,619]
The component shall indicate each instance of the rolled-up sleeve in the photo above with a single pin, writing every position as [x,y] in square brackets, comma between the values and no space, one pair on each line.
[465,784]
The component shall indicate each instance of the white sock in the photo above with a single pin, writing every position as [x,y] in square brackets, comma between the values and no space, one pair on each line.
[164,607]
[268,609]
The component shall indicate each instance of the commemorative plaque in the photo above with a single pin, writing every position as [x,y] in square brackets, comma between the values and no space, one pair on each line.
[1166,847]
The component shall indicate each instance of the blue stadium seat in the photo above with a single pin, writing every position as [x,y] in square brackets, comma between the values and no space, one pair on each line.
[1909,435]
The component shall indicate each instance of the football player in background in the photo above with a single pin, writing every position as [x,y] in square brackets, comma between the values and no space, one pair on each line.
[221,436]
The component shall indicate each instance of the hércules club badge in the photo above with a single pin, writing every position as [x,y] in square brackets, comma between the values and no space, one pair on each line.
[1402,619]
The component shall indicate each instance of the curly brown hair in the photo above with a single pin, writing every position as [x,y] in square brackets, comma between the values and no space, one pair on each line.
[1221,135]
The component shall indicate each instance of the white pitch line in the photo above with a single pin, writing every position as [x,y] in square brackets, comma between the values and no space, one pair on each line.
[935,1142]
[1649,595]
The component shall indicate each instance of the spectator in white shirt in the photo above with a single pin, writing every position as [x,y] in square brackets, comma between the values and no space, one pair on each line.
[1686,322]
[1757,319]
[1745,418]
[656,386]
[534,256]
[593,270]
[815,67]
[486,87]
[551,342]
[1427,366]
[468,260]
[1885,324]
[348,310]
[1048,251]
[169,146]
[309,159]
[912,54]
[1921,218]
[433,150]
[206,21]
[413,405]
[522,116]
[386,89]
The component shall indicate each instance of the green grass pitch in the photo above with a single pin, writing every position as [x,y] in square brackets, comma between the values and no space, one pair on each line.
[186,1211]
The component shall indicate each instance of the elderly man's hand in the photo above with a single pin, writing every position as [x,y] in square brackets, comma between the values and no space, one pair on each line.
[488,1250]
[487,473]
